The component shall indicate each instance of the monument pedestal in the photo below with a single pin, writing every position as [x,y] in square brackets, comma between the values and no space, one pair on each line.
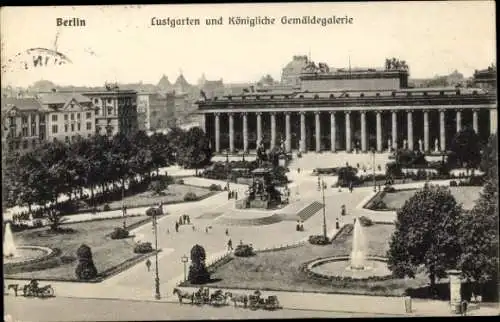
[455,277]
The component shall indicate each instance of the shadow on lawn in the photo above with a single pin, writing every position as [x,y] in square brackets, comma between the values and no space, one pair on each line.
[442,292]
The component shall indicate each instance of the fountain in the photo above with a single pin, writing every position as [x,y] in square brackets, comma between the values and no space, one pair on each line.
[9,247]
[358,247]
[359,264]
[17,255]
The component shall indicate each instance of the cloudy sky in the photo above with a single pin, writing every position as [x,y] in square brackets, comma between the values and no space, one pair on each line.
[119,43]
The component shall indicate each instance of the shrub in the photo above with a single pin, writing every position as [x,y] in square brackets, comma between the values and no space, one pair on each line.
[393,169]
[85,270]
[37,223]
[198,272]
[318,240]
[379,205]
[106,207]
[215,187]
[180,181]
[143,248]
[157,186]
[244,251]
[365,221]
[119,233]
[453,183]
[190,196]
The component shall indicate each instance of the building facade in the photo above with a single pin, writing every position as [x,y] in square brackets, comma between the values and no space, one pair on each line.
[332,116]
[143,116]
[115,111]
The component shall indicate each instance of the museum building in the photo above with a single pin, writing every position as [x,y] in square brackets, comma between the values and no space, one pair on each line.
[346,109]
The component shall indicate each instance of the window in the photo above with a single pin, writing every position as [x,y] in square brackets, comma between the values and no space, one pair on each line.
[72,116]
[65,117]
[88,115]
[42,118]
[33,143]
[89,135]
[72,127]
[66,139]
[109,100]
[97,111]
[89,126]
[24,119]
[98,129]
[73,138]
[54,140]
[25,131]
[96,100]
[110,110]
[65,127]
[54,118]
[54,129]
[78,126]
[18,144]
[25,144]
[33,129]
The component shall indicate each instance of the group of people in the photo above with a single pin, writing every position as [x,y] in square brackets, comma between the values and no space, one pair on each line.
[232,194]
[183,220]
[300,225]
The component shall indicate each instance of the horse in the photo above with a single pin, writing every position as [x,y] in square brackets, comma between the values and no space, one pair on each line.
[235,298]
[183,295]
[14,287]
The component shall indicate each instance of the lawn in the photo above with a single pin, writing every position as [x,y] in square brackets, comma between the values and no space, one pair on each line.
[280,270]
[174,193]
[465,195]
[107,253]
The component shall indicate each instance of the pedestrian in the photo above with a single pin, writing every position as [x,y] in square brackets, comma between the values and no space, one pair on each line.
[227,232]
[180,220]
[160,208]
[228,195]
[124,210]
[337,225]
[206,229]
[229,245]
[148,264]
[298,225]
[188,220]
[236,195]
[168,231]
[194,228]
[176,227]
[301,225]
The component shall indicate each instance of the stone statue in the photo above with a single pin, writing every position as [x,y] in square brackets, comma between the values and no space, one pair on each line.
[405,144]
[420,145]
[389,145]
[436,145]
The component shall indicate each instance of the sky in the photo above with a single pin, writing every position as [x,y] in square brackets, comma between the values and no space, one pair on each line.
[119,43]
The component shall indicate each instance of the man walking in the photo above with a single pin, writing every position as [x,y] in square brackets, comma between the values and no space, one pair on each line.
[176,227]
[148,264]
[229,245]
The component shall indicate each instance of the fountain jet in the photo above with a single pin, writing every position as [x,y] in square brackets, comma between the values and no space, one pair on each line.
[9,247]
[358,254]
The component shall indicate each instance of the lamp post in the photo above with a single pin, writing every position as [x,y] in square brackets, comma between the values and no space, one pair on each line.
[374,182]
[157,277]
[184,260]
[123,205]
[324,206]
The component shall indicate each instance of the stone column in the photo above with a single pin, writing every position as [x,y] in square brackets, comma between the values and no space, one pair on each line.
[273,130]
[348,145]
[302,132]
[459,120]
[217,132]
[318,132]
[379,131]
[363,131]
[493,121]
[394,130]
[259,128]
[231,132]
[475,121]
[245,132]
[410,130]
[203,124]
[426,131]
[442,130]
[333,129]
[288,142]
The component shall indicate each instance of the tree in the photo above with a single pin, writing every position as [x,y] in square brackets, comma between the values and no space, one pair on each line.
[489,158]
[195,151]
[466,149]
[198,273]
[425,234]
[85,270]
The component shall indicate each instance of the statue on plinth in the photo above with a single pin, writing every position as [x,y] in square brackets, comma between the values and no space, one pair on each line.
[420,145]
[436,145]
[405,144]
[389,145]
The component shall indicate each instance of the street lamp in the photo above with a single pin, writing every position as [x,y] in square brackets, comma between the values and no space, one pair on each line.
[157,277]
[185,259]
[374,182]
[123,205]
[324,206]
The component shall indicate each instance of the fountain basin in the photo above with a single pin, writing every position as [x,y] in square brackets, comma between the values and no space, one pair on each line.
[339,267]
[26,254]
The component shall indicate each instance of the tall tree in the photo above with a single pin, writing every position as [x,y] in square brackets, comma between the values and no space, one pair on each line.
[425,234]
[466,149]
[195,151]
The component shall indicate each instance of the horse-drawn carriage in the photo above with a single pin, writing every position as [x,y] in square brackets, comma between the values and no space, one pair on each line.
[33,290]
[203,296]
[257,302]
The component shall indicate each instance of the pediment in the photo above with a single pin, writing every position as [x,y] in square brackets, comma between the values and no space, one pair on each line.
[72,105]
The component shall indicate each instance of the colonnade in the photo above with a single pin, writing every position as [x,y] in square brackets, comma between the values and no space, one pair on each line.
[409,143]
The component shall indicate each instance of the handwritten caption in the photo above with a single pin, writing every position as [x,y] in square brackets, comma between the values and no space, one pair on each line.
[252,21]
